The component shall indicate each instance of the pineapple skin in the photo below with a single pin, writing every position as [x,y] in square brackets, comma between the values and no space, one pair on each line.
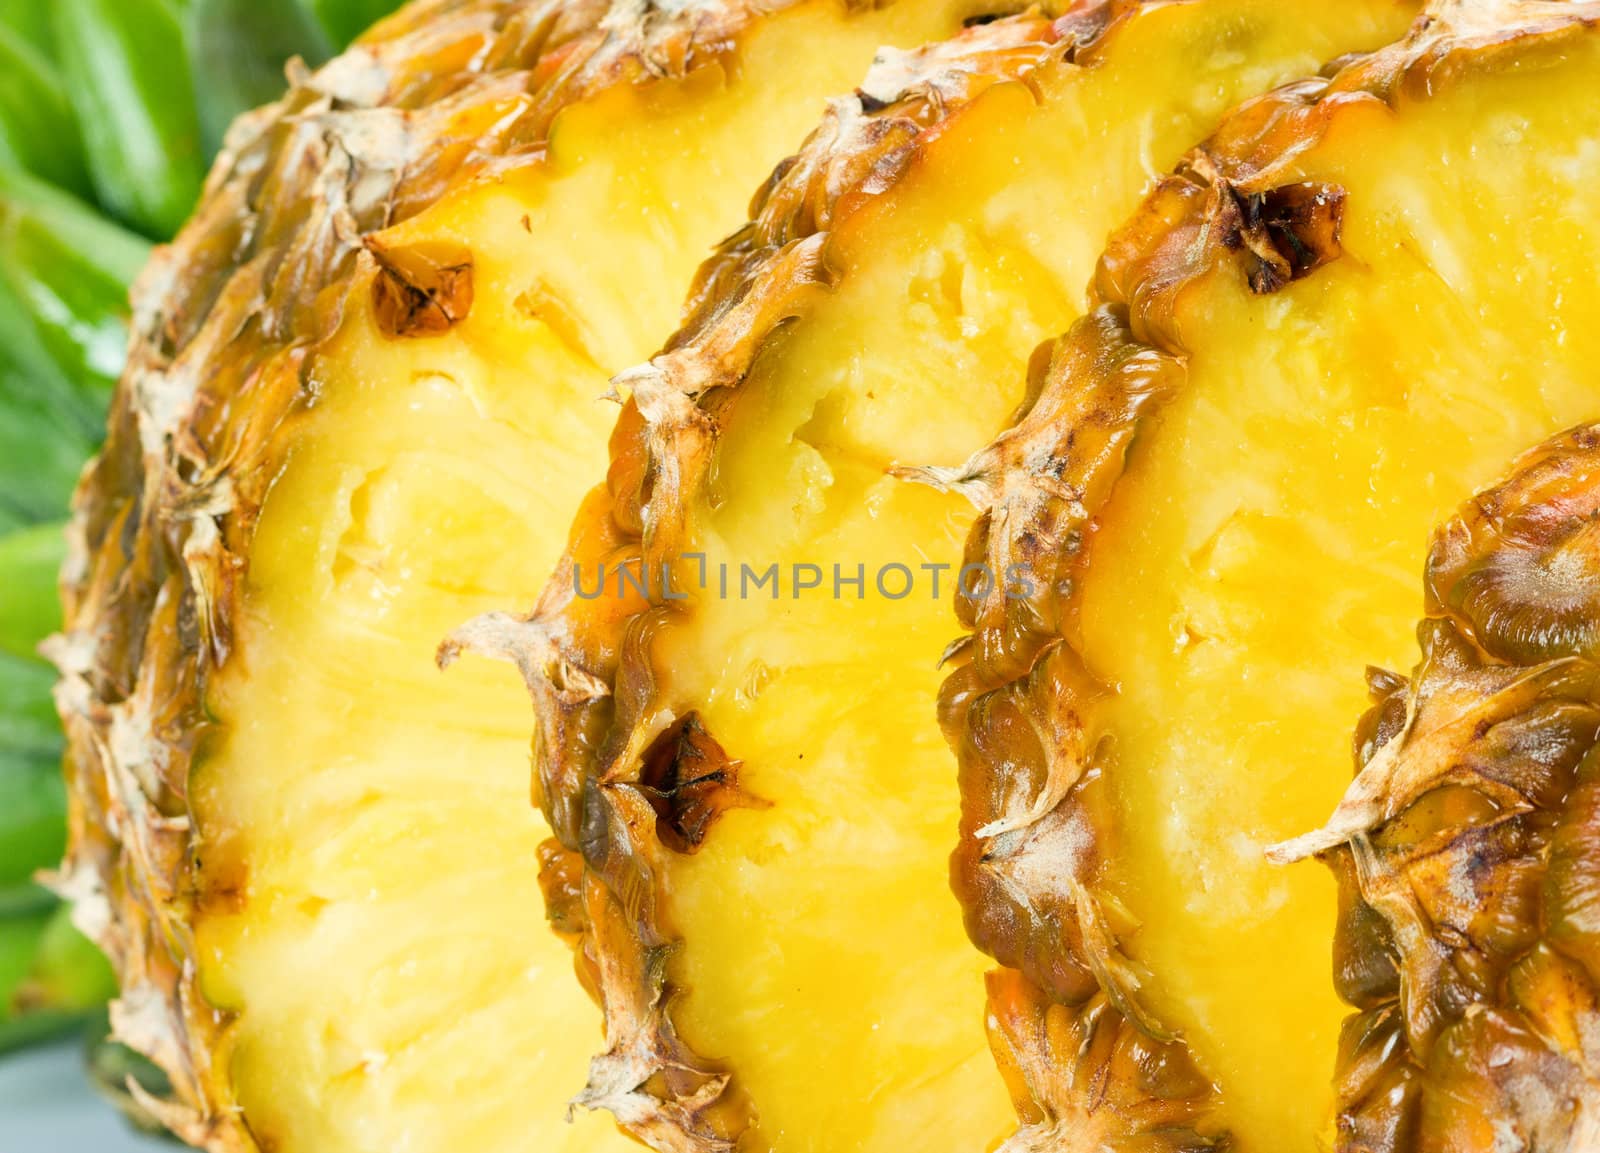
[587,663]
[600,710]
[1466,846]
[227,320]
[1089,1064]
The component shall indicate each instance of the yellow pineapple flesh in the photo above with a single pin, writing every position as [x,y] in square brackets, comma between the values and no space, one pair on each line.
[1265,543]
[817,931]
[368,915]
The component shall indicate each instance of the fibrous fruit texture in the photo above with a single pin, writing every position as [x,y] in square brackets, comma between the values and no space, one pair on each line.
[734,683]
[1468,855]
[363,401]
[1347,311]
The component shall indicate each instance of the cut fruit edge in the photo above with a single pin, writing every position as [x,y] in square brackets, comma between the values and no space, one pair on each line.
[599,707]
[1482,769]
[586,663]
[253,287]
[122,689]
[1078,1059]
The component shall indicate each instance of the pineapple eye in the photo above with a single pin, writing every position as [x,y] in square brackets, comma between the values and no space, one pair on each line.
[1289,232]
[1527,606]
[1521,568]
[421,289]
[690,781]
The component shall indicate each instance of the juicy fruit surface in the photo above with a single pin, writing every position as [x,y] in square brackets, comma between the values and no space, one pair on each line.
[371,911]
[818,929]
[1264,545]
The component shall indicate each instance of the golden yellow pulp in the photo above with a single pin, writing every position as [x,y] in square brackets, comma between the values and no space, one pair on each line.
[367,838]
[824,957]
[1267,541]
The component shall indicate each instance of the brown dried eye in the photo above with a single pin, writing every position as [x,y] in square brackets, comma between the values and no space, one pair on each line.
[1536,601]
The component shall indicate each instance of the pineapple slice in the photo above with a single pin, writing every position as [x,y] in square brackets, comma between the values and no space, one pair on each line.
[363,404]
[753,775]
[1350,307]
[1469,850]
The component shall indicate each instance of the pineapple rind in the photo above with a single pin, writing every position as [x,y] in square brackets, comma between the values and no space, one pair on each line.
[1084,1053]
[225,322]
[1019,708]
[1466,846]
[587,662]
[589,665]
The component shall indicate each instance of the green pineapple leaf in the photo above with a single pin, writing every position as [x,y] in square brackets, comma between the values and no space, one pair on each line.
[28,725]
[127,69]
[30,558]
[239,48]
[69,270]
[44,440]
[344,20]
[33,825]
[38,129]
[52,980]
[30,19]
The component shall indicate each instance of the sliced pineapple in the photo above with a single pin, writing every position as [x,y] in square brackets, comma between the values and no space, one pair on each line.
[1468,843]
[1347,310]
[364,400]
[754,774]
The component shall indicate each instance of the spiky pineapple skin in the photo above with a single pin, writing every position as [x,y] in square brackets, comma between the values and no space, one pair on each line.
[1466,938]
[597,687]
[586,662]
[1037,831]
[227,321]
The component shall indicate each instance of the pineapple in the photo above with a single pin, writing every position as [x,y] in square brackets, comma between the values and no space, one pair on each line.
[362,405]
[1467,854]
[740,759]
[101,100]
[1344,313]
